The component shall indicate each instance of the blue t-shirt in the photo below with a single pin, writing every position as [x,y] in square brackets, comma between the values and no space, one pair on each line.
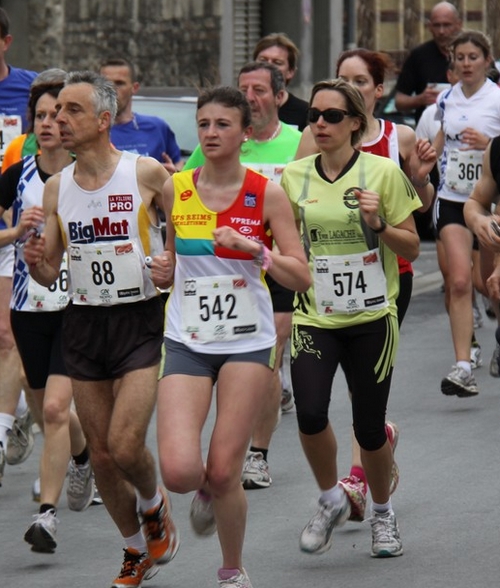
[15,91]
[146,135]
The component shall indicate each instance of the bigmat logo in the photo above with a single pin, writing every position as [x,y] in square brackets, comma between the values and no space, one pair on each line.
[101,229]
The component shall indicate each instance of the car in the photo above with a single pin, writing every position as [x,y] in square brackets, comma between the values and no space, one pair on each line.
[179,112]
[386,109]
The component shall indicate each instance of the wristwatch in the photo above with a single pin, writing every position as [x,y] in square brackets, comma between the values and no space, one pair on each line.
[383,226]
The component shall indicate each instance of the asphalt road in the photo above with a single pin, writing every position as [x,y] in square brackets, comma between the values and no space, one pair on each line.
[446,502]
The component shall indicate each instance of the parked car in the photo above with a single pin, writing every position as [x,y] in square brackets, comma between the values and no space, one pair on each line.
[386,108]
[179,112]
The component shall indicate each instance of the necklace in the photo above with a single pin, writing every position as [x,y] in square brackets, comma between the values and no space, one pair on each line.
[273,136]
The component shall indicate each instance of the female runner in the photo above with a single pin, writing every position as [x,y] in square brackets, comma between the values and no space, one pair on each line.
[219,319]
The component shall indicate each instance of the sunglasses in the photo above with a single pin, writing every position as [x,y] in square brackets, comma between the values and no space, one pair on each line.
[330,115]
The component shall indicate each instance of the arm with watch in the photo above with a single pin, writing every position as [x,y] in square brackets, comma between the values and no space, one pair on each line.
[403,238]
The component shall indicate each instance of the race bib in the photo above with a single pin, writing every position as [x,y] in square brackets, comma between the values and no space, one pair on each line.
[346,284]
[53,298]
[218,308]
[10,126]
[463,170]
[272,171]
[106,273]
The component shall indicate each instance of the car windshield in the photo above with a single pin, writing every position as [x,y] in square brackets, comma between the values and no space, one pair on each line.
[178,112]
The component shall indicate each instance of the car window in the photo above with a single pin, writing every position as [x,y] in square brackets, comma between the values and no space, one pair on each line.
[179,113]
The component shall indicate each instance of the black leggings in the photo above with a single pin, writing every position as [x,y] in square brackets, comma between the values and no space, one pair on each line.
[366,353]
[404,296]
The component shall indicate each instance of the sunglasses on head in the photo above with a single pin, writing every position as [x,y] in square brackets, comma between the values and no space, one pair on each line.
[330,115]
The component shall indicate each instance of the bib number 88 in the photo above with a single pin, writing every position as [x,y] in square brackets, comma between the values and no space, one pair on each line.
[102,273]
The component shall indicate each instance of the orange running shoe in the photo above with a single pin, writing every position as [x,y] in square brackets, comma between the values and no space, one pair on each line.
[160,532]
[136,568]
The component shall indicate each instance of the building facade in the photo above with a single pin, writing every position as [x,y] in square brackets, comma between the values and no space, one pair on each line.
[197,43]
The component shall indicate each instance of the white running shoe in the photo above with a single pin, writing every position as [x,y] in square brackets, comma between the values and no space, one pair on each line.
[201,515]
[41,535]
[241,580]
[255,471]
[80,490]
[459,383]
[475,356]
[317,534]
[21,440]
[386,541]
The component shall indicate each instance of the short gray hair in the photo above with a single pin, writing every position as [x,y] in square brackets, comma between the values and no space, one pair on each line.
[104,93]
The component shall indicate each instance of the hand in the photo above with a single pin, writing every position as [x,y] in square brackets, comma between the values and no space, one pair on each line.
[473,139]
[422,159]
[369,207]
[162,270]
[230,239]
[31,218]
[429,95]
[33,250]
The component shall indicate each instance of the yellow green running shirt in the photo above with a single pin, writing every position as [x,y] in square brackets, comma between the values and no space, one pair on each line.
[353,282]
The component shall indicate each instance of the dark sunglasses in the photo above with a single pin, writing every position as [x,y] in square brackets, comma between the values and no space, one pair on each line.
[330,115]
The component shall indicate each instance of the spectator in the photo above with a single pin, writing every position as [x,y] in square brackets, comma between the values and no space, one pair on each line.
[139,133]
[281,51]
[426,66]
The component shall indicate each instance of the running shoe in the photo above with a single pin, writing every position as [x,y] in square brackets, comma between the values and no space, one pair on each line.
[459,383]
[286,392]
[241,580]
[355,490]
[21,440]
[2,462]
[495,362]
[41,535]
[160,532]
[201,514]
[317,534]
[286,400]
[475,356]
[136,567]
[35,490]
[386,541]
[392,432]
[80,490]
[255,471]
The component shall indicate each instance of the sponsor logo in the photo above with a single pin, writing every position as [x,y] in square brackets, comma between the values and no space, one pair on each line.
[10,122]
[350,200]
[124,249]
[238,220]
[321,265]
[120,203]
[370,258]
[186,195]
[245,230]
[250,200]
[101,229]
[189,287]
[240,283]
[128,292]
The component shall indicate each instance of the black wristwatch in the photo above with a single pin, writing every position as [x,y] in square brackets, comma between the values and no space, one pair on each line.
[383,226]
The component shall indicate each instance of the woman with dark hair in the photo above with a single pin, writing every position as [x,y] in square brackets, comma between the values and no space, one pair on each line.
[36,317]
[219,319]
[355,212]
